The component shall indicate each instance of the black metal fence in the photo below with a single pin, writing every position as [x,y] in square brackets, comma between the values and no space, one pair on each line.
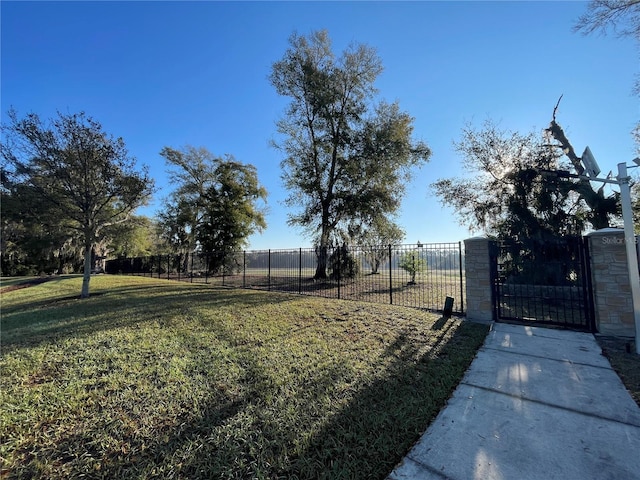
[420,275]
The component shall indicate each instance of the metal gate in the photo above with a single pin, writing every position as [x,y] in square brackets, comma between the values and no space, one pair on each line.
[543,282]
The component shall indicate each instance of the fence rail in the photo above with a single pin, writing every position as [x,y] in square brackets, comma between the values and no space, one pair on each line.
[420,275]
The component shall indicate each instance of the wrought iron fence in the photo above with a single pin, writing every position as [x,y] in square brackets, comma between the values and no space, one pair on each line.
[418,275]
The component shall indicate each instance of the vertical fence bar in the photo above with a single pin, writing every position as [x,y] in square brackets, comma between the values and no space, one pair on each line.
[339,270]
[300,272]
[244,269]
[461,281]
[390,277]
[269,271]
[206,271]
[168,265]
[191,267]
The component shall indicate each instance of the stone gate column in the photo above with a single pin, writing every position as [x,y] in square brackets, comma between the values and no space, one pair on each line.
[610,279]
[478,279]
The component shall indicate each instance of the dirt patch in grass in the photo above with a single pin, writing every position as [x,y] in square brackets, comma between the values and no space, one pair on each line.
[624,360]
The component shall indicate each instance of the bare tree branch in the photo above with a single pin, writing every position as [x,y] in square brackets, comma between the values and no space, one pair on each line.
[623,16]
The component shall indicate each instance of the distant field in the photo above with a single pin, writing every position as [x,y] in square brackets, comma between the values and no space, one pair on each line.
[152,378]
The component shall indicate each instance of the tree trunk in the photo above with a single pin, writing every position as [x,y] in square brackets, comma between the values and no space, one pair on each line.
[375,266]
[322,249]
[87,269]
[321,257]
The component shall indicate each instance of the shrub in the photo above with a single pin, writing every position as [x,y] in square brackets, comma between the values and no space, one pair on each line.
[412,262]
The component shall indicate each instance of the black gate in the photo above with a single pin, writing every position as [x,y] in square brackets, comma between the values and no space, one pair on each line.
[543,282]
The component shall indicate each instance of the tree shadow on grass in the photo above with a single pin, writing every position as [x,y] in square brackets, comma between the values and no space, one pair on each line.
[378,427]
[364,440]
[52,319]
[240,434]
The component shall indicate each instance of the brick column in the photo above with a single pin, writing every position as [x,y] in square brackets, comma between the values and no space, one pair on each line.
[610,278]
[478,279]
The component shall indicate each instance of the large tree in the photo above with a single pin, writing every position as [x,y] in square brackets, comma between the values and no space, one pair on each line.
[33,239]
[601,209]
[346,158]
[79,174]
[507,193]
[215,206]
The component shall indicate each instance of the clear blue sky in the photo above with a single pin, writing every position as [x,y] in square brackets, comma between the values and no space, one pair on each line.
[176,73]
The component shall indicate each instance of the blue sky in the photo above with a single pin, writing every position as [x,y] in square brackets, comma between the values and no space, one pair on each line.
[176,73]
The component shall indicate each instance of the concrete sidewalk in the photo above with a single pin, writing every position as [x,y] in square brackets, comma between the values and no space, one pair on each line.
[536,403]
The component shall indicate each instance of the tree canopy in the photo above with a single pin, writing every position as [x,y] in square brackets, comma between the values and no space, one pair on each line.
[215,206]
[70,176]
[375,240]
[346,158]
[511,191]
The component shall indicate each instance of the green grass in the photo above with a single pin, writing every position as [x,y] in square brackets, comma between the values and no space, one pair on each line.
[622,355]
[159,379]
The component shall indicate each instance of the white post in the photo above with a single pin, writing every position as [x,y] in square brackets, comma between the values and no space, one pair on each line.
[630,243]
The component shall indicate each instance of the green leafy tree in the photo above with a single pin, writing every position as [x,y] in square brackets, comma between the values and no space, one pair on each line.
[600,209]
[507,192]
[133,238]
[33,238]
[344,160]
[412,262]
[215,206]
[375,239]
[343,264]
[82,176]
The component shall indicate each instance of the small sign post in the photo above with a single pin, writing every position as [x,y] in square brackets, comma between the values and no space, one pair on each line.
[448,307]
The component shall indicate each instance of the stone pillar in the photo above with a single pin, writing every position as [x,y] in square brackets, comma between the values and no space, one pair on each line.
[478,279]
[610,278]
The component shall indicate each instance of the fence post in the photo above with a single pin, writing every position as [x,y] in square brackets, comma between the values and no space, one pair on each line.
[339,271]
[390,278]
[206,272]
[244,269]
[269,270]
[461,282]
[191,267]
[300,273]
[168,265]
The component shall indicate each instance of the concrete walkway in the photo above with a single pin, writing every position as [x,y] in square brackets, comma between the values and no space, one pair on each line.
[536,403]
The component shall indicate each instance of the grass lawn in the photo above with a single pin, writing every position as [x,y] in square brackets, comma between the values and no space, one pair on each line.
[622,355]
[158,379]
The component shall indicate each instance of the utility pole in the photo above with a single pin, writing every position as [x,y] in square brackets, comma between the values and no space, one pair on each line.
[621,180]
[630,244]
